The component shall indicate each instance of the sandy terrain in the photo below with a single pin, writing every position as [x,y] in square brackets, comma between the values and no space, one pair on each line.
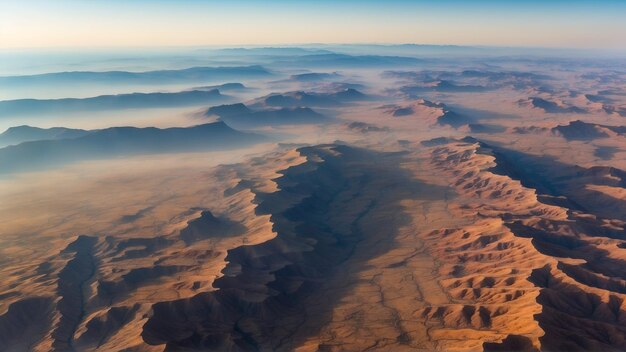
[453,209]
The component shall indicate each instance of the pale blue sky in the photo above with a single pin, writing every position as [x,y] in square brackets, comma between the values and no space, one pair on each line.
[123,23]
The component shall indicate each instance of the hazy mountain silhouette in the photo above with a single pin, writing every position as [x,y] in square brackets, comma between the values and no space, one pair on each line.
[239,115]
[188,75]
[19,134]
[314,76]
[110,102]
[122,141]
[348,61]
[503,75]
[223,87]
[300,98]
[268,51]
[444,86]
[228,110]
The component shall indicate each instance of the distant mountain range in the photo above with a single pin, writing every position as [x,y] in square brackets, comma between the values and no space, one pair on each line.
[20,134]
[119,141]
[240,116]
[223,87]
[266,51]
[314,76]
[347,61]
[188,75]
[300,98]
[110,102]
[443,86]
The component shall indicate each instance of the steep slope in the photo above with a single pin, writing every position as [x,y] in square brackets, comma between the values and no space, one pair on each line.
[570,258]
[258,300]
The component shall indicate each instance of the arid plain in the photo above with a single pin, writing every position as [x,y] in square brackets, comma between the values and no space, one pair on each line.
[317,199]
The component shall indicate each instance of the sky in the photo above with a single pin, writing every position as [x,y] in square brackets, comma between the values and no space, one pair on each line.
[159,23]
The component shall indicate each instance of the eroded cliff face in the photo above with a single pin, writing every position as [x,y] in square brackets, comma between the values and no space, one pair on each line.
[482,264]
[441,245]
[272,290]
[537,267]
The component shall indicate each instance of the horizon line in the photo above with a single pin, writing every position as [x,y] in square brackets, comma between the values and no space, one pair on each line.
[312,44]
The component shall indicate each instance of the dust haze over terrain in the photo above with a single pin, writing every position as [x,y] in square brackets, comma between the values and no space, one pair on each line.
[314,197]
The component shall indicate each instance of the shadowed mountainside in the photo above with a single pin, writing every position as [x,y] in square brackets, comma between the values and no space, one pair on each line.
[580,130]
[550,107]
[562,250]
[430,112]
[271,294]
